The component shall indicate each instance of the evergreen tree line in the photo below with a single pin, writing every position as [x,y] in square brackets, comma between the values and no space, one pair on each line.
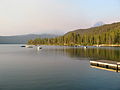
[75,38]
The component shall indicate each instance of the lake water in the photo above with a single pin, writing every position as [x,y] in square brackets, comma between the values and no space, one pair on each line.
[56,68]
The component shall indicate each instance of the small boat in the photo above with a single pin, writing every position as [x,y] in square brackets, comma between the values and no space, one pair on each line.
[98,46]
[38,48]
[29,46]
[75,46]
[22,46]
[85,47]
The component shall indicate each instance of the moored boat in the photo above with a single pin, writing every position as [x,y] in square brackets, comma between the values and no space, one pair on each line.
[38,48]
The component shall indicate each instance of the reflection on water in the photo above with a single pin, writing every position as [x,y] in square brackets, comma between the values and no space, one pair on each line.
[93,53]
[55,68]
[107,69]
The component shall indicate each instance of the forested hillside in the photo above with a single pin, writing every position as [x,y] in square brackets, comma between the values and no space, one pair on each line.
[106,34]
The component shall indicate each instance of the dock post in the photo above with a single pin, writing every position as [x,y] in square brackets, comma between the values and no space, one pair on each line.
[117,68]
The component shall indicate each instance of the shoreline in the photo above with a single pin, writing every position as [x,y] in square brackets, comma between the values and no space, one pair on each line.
[108,45]
[101,45]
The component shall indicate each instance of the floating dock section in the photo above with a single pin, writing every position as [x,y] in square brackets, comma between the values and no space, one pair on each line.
[106,65]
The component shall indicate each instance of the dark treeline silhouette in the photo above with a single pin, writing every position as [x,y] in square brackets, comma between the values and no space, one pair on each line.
[106,34]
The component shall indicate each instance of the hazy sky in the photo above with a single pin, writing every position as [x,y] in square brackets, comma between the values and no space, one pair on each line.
[54,16]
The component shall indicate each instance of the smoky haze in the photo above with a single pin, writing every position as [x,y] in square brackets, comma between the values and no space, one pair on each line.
[54,16]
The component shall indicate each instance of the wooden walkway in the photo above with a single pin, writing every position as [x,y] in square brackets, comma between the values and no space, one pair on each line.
[106,65]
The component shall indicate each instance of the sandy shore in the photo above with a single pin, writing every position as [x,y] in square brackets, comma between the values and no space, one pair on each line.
[112,45]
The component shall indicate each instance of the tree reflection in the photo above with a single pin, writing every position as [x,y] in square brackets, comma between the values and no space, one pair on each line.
[94,53]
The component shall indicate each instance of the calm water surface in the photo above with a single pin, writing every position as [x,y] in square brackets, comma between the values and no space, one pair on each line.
[56,68]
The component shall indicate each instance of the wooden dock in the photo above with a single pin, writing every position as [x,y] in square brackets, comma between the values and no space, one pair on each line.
[106,65]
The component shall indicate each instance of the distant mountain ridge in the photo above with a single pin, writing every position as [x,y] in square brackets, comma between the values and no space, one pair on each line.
[100,23]
[22,39]
[97,30]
